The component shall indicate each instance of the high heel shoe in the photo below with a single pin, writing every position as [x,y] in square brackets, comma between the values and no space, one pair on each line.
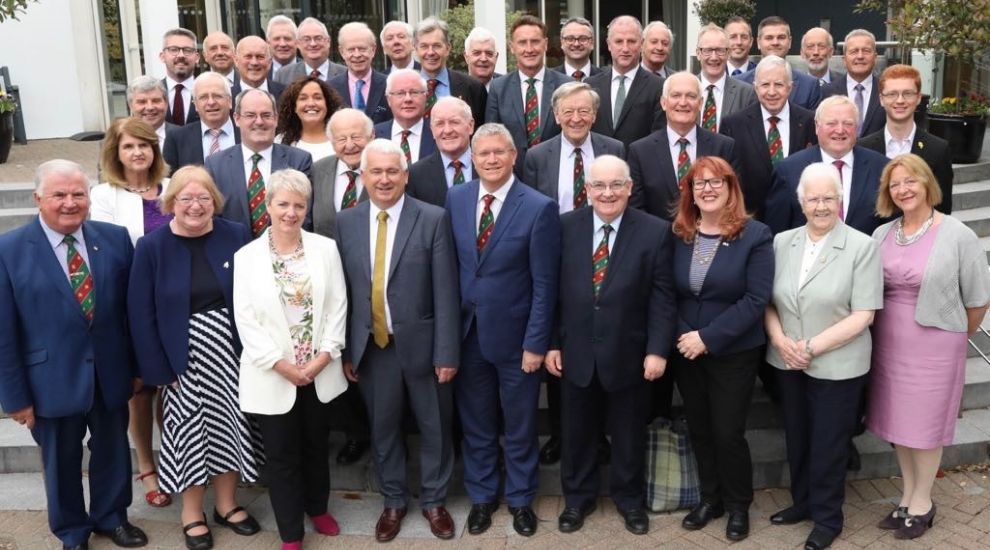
[915,526]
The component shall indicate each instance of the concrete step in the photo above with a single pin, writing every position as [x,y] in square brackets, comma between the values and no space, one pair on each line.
[16,195]
[977,219]
[966,173]
[970,195]
[12,218]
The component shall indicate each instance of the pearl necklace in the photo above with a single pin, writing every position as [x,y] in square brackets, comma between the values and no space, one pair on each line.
[903,240]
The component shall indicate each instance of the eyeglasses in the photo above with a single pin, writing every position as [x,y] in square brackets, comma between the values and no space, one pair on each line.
[176,50]
[715,183]
[583,113]
[578,39]
[905,94]
[266,117]
[601,186]
[821,201]
[407,93]
[708,52]
[313,39]
[187,201]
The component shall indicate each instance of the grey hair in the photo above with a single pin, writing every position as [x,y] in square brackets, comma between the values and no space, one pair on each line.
[711,27]
[280,20]
[833,101]
[405,26]
[492,129]
[602,159]
[770,62]
[579,21]
[456,102]
[653,24]
[431,24]
[57,167]
[398,73]
[245,92]
[669,79]
[178,31]
[861,32]
[817,171]
[572,88]
[623,19]
[290,180]
[313,21]
[831,44]
[357,26]
[369,126]
[145,83]
[385,147]
[212,76]
[478,34]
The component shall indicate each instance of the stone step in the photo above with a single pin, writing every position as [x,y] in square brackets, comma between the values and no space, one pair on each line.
[966,173]
[16,195]
[977,219]
[970,195]
[12,218]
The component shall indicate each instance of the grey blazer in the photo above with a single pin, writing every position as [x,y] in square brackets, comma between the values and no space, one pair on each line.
[542,166]
[737,96]
[846,277]
[322,211]
[290,73]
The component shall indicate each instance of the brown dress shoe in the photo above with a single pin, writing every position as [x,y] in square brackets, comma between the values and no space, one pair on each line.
[441,524]
[389,524]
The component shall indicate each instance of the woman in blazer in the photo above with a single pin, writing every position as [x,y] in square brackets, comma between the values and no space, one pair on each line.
[826,287]
[132,163]
[179,308]
[291,307]
[723,273]
[936,289]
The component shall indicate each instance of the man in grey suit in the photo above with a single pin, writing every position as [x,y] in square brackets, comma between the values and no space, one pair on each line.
[314,46]
[350,131]
[409,298]
[657,42]
[450,165]
[722,95]
[816,49]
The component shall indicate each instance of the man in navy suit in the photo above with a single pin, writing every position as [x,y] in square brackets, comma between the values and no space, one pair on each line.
[361,87]
[740,44]
[214,132]
[774,38]
[507,238]
[66,361]
[397,45]
[407,93]
[481,54]
[254,63]
[430,178]
[180,56]
[816,50]
[859,82]
[577,40]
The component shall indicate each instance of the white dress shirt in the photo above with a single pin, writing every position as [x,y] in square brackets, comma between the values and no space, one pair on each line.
[867,89]
[264,165]
[898,146]
[390,226]
[55,239]
[675,148]
[496,207]
[630,76]
[161,136]
[340,183]
[718,91]
[187,88]
[596,238]
[847,174]
[783,127]
[565,178]
[523,85]
[324,70]
[226,136]
[466,167]
[812,250]
[415,137]
[585,70]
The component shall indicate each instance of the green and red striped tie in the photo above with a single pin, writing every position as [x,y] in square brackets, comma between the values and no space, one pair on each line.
[532,113]
[80,278]
[773,140]
[458,171]
[580,194]
[487,223]
[600,260]
[256,198]
[404,145]
[709,118]
[431,95]
[683,160]
[350,192]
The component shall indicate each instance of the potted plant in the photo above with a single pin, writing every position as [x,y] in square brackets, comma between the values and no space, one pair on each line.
[7,108]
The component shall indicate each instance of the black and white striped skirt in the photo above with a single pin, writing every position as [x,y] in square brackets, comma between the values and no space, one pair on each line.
[205,433]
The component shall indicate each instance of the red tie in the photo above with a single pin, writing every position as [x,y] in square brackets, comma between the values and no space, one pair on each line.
[431,95]
[178,107]
[315,73]
[578,75]
[842,208]
[404,145]
[486,224]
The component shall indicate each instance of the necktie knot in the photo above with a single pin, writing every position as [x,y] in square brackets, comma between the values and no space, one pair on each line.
[457,164]
[69,240]
[256,158]
[359,84]
[406,134]
[774,120]
[577,152]
[607,229]
[683,142]
[315,73]
[179,87]
[531,81]
[859,88]
[735,72]
[711,88]
[382,216]
[351,176]
[215,133]
[489,198]
[578,75]
[839,165]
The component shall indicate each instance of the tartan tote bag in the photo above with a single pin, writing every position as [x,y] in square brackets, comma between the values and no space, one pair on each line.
[671,471]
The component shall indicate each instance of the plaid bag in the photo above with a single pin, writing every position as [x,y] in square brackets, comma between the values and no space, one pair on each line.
[671,471]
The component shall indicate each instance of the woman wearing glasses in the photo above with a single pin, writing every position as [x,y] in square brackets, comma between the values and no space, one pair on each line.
[723,274]
[827,285]
[303,112]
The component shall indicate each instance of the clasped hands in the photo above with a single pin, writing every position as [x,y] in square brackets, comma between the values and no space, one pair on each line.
[793,353]
[301,375]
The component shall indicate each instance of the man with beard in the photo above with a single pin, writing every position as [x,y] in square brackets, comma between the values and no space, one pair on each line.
[816,49]
[179,54]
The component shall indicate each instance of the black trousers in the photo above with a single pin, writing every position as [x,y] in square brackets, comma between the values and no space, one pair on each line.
[662,393]
[717,391]
[297,446]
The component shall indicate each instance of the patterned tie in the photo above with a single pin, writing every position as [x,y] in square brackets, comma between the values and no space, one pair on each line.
[431,97]
[256,198]
[532,114]
[487,223]
[773,141]
[178,106]
[600,261]
[578,75]
[458,171]
[683,160]
[80,278]
[215,142]
[735,72]
[620,99]
[404,144]
[842,208]
[315,73]
[858,100]
[350,192]
[359,103]
[708,121]
[580,194]
[379,327]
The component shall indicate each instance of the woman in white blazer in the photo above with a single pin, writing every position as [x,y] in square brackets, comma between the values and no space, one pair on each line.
[290,306]
[132,162]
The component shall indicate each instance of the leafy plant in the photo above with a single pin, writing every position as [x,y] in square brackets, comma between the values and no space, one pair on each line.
[720,11]
[9,9]
[460,21]
[7,103]
[967,104]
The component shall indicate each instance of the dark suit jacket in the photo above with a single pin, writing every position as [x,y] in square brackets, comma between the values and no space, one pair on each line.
[50,355]
[510,290]
[274,87]
[752,150]
[472,91]
[376,107]
[594,70]
[542,167]
[427,145]
[633,315]
[728,312]
[936,153]
[736,96]
[184,146]
[428,179]
[227,169]
[875,118]
[784,212]
[806,91]
[749,67]
[638,111]
[655,176]
[422,286]
[191,116]
[290,73]
[415,66]
[159,293]
[322,212]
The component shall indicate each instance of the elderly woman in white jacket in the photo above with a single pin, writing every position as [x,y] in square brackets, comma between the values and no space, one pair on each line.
[290,305]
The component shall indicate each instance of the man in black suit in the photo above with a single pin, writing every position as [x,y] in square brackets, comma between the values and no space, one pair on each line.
[615,323]
[452,125]
[481,54]
[577,40]
[253,63]
[214,132]
[361,86]
[657,42]
[774,38]
[630,96]
[740,44]
[397,45]
[180,56]
[281,37]
[900,94]
[407,93]
[859,82]
[433,46]
[793,130]
[816,50]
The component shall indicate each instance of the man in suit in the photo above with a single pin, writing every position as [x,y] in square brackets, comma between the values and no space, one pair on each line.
[761,142]
[816,49]
[180,56]
[452,125]
[349,131]
[900,94]
[657,41]
[577,40]
[433,47]
[253,161]
[146,99]
[630,95]
[397,44]
[360,86]
[836,125]
[281,37]
[615,272]
[66,362]
[218,52]
[723,95]
[481,54]
[214,132]
[314,44]
[407,96]
[507,238]
[253,62]
[520,100]
[774,38]
[859,82]
[409,299]
[740,44]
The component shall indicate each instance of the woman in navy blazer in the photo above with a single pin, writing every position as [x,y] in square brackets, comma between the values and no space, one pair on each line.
[723,276]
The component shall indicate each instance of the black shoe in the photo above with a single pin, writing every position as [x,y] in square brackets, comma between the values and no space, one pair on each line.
[701,514]
[126,535]
[480,518]
[523,520]
[572,519]
[83,546]
[550,452]
[351,452]
[198,542]
[788,516]
[854,463]
[819,539]
[738,526]
[247,526]
[604,452]
[637,522]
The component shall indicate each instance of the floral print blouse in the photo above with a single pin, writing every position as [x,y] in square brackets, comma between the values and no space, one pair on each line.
[296,293]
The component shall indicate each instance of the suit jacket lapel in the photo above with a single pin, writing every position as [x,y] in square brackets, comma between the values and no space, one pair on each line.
[50,265]
[827,255]
[553,169]
[605,93]
[513,89]
[279,160]
[363,236]
[504,219]
[858,183]
[729,99]
[635,87]
[407,220]
[463,216]
[663,153]
[794,257]
[626,228]
[586,265]
[236,163]
[376,93]
[546,101]
[797,129]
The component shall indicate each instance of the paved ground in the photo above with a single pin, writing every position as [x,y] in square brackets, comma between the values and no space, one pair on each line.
[24,159]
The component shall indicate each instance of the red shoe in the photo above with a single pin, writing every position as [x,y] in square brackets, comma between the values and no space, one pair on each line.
[325,524]
[155,498]
[294,545]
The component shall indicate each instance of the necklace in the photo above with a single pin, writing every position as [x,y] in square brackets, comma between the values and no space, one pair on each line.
[139,190]
[903,240]
[704,257]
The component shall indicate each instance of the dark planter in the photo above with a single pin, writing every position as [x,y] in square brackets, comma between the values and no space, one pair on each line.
[964,134]
[6,135]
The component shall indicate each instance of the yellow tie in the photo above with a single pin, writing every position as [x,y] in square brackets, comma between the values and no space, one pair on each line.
[378,325]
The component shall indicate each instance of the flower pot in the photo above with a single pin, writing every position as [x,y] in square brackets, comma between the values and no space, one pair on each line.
[6,135]
[964,134]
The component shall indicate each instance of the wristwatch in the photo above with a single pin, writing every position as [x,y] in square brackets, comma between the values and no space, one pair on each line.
[807,348]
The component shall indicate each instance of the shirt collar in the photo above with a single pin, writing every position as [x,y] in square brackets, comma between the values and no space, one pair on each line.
[784,115]
[266,153]
[598,223]
[55,238]
[847,158]
[887,137]
[539,76]
[342,168]
[569,69]
[443,77]
[584,146]
[324,69]
[465,160]
[500,193]
[415,129]
[187,83]
[366,77]
[392,211]
[227,128]
[631,75]
[692,136]
[719,84]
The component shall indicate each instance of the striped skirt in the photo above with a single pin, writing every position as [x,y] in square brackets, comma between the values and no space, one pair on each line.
[205,433]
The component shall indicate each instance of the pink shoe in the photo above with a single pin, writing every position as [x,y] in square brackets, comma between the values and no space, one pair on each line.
[294,545]
[325,524]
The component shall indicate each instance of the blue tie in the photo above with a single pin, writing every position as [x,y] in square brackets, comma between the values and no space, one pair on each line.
[736,72]
[358,96]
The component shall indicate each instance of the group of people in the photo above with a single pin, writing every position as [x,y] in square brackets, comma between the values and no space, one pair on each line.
[430,242]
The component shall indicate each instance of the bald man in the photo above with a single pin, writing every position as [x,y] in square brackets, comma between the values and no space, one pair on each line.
[253,60]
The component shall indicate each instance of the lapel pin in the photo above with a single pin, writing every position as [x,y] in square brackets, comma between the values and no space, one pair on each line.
[226,265]
[921,145]
[95,248]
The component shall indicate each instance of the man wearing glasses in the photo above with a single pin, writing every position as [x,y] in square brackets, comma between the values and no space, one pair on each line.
[193,143]
[577,40]
[314,44]
[723,95]
[859,83]
[409,129]
[179,54]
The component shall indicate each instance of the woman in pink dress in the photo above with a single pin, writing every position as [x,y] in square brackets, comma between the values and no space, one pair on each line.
[936,290]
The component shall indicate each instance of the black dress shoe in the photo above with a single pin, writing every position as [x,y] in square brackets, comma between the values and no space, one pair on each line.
[351,452]
[788,516]
[198,542]
[701,514]
[550,452]
[637,522]
[480,517]
[572,519]
[83,546]
[738,526]
[247,526]
[854,463]
[819,539]
[126,535]
[523,520]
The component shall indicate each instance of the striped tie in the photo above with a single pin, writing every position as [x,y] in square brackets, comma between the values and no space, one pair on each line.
[580,194]
[80,278]
[709,119]
[773,140]
[404,144]
[431,95]
[215,142]
[458,171]
[350,192]
[359,103]
[532,113]
[256,198]
[600,261]
[683,160]
[487,223]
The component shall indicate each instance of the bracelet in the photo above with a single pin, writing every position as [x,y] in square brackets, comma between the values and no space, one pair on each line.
[807,348]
